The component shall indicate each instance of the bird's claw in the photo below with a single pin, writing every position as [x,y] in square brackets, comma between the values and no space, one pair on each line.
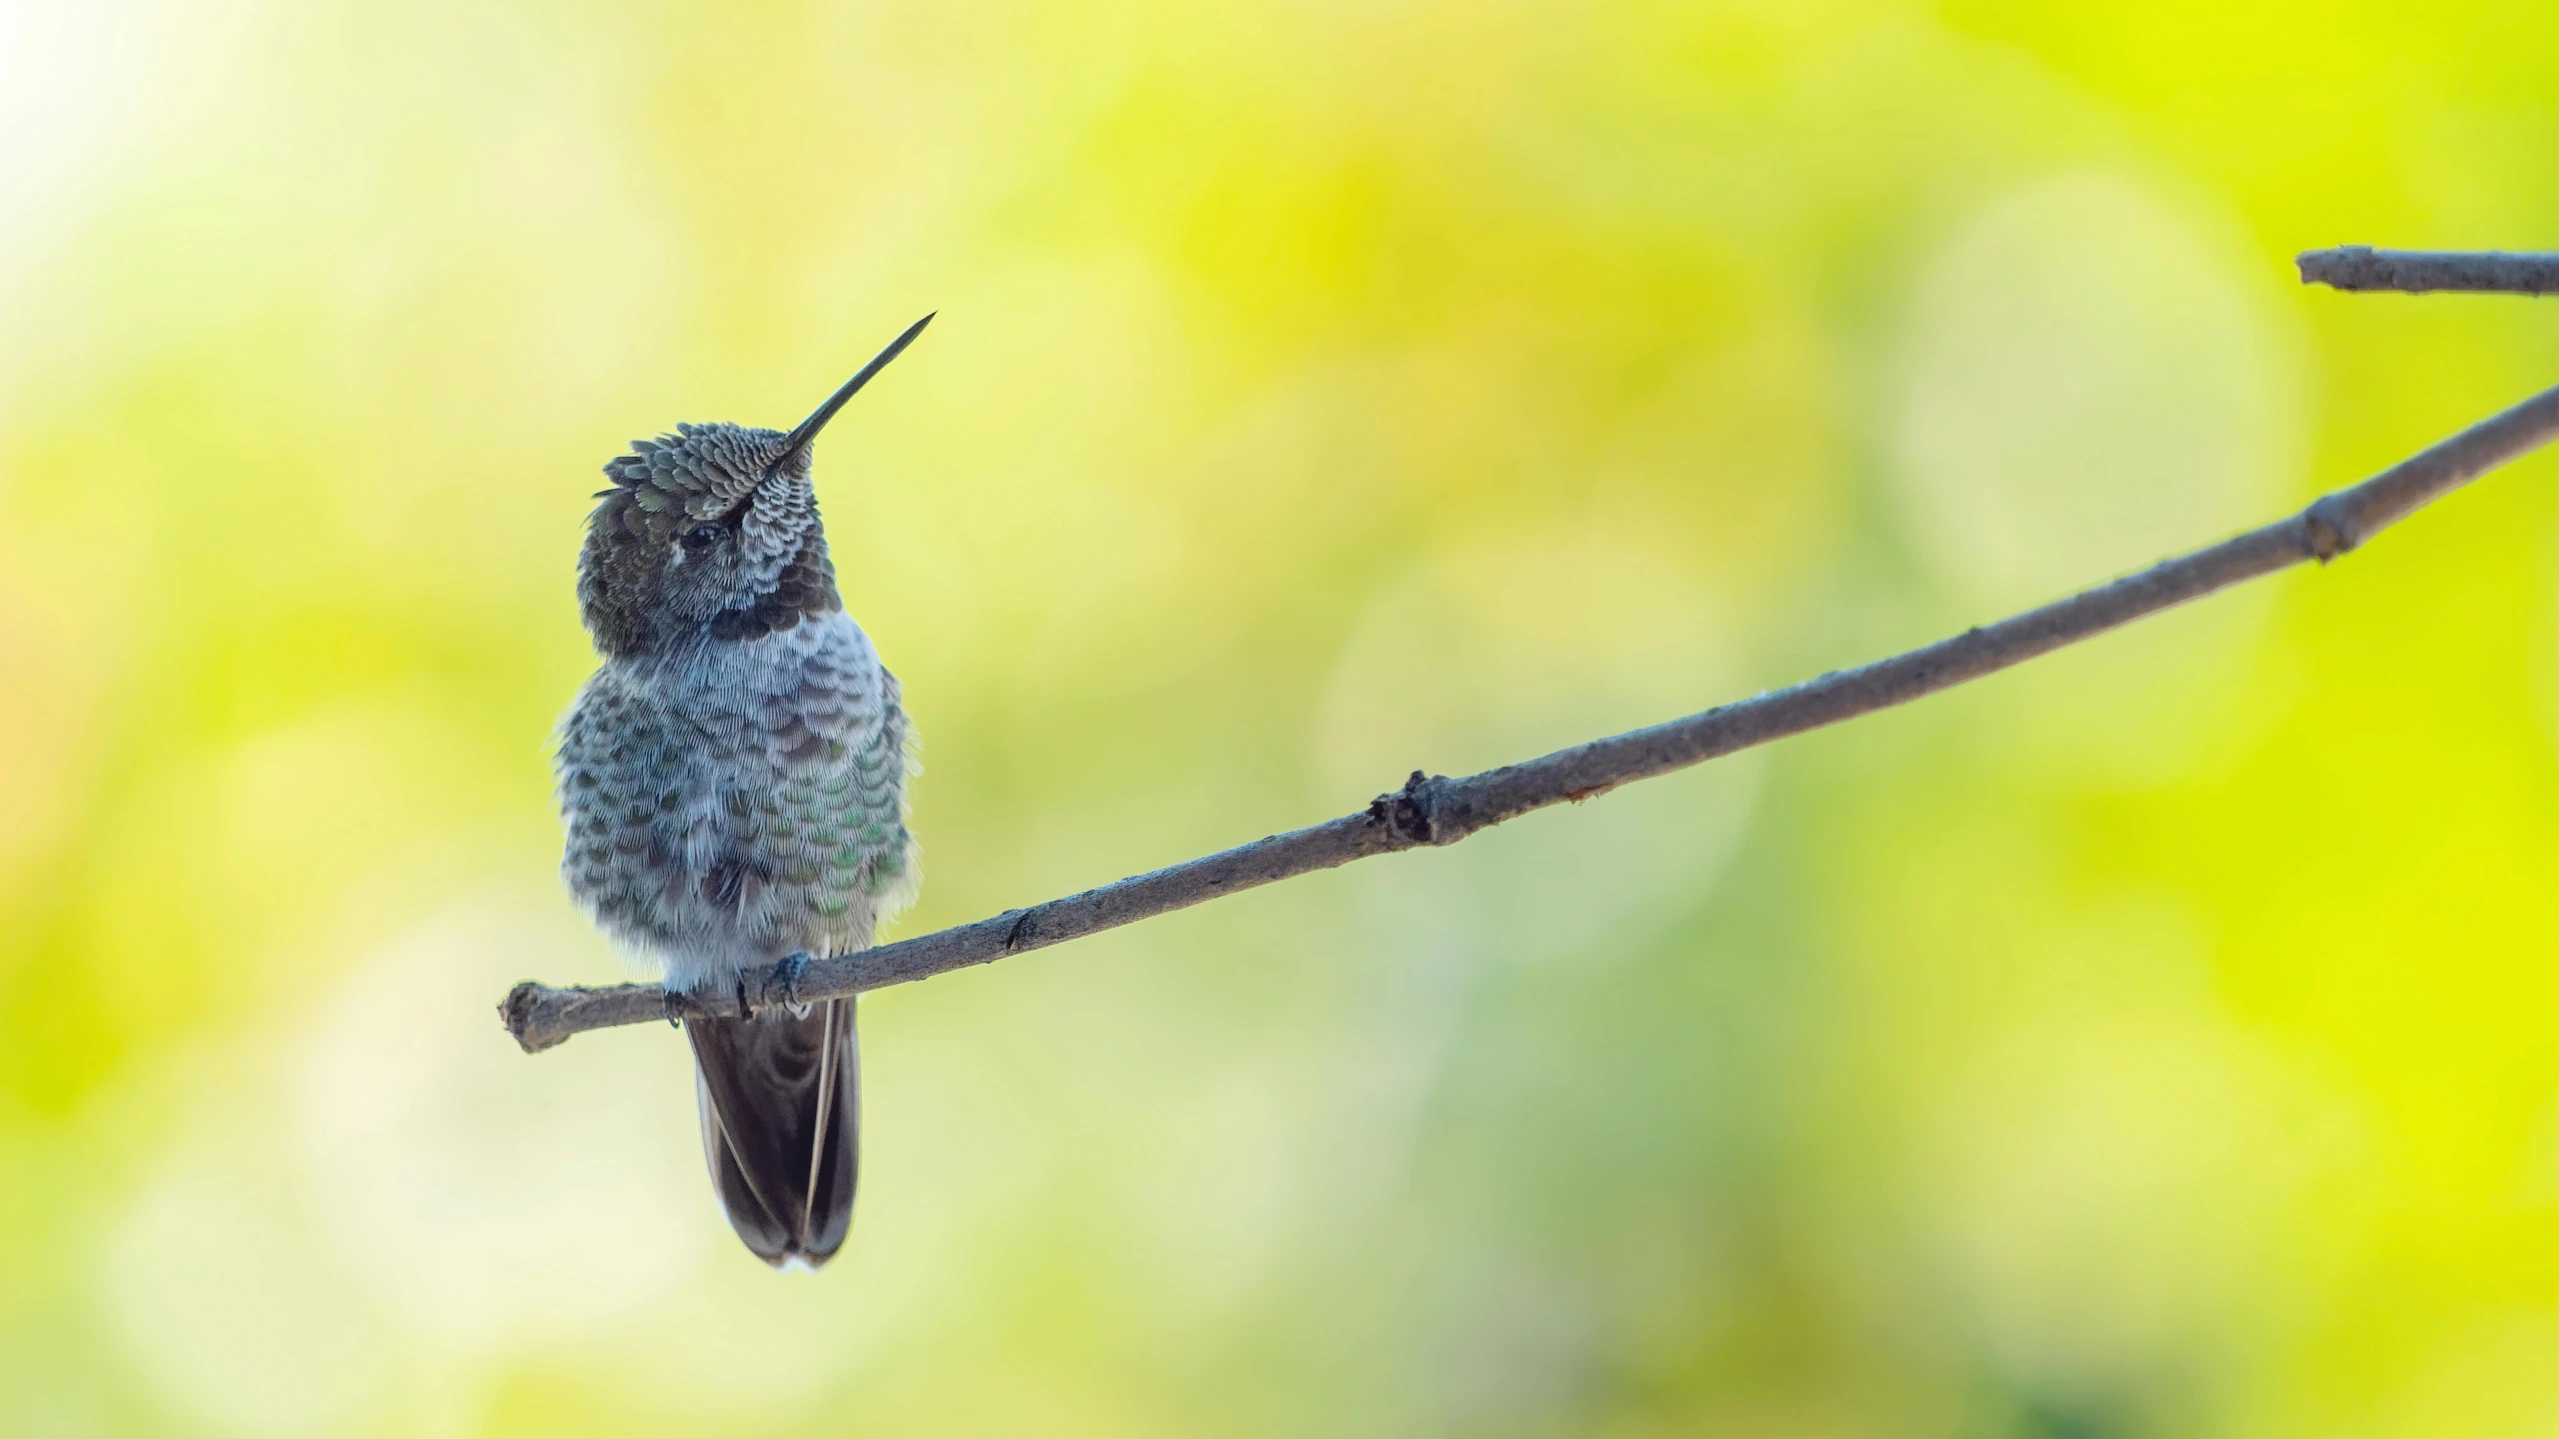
[784,982]
[786,979]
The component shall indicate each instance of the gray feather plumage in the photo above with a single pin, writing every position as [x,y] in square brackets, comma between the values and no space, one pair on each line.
[734,781]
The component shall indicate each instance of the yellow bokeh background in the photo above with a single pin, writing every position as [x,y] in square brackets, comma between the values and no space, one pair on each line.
[2155,1040]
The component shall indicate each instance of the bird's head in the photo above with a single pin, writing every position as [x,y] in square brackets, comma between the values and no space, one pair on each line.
[712,533]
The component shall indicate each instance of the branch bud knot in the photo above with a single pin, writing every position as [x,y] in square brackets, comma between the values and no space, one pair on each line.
[1423,811]
[2332,530]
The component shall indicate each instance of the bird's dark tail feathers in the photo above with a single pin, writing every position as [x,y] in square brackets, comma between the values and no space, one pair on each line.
[781,1126]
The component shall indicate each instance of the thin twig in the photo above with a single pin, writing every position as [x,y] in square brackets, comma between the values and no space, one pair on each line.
[1436,810]
[2361,267]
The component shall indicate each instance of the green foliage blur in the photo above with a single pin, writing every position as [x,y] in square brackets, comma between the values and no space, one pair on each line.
[2154,1041]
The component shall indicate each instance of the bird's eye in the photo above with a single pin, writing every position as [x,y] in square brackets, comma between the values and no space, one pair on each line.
[701,537]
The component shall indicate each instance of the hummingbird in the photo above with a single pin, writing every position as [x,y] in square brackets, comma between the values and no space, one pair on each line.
[733,782]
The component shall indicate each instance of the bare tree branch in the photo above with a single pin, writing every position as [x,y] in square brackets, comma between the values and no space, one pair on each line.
[1436,810]
[2361,267]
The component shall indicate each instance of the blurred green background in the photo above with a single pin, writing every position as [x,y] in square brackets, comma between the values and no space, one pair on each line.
[2156,1040]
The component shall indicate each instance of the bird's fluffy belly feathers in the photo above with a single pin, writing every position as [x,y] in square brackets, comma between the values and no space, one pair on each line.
[733,805]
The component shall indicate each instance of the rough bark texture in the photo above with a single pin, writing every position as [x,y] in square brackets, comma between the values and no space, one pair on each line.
[2496,272]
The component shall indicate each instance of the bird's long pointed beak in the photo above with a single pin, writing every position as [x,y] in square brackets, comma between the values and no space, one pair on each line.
[798,440]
